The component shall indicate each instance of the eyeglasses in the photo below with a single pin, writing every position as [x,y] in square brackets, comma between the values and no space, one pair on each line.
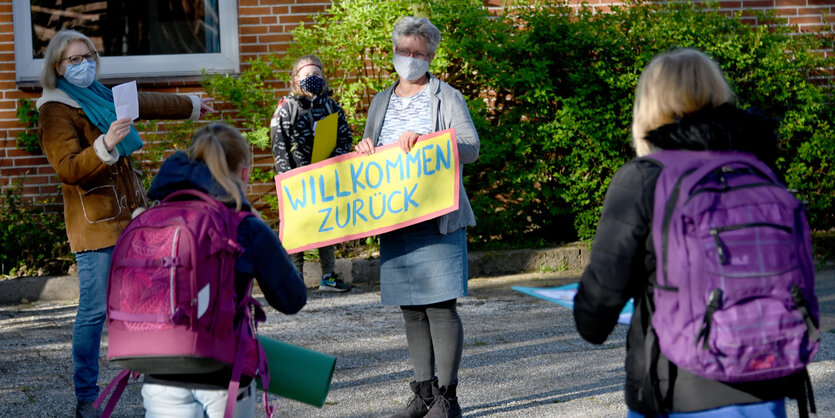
[407,53]
[76,59]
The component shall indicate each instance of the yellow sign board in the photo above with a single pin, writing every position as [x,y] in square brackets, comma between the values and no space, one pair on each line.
[355,196]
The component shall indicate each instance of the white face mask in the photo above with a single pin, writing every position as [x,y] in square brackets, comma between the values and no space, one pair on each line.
[409,68]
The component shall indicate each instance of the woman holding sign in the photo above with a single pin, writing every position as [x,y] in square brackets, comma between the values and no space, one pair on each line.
[423,267]
[299,135]
[89,148]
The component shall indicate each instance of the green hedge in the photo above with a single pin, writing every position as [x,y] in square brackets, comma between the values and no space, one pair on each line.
[551,91]
[33,238]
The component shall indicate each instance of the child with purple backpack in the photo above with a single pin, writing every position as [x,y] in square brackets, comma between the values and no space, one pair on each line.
[713,249]
[217,163]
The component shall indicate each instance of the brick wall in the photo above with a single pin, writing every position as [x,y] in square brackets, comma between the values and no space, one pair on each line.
[264,27]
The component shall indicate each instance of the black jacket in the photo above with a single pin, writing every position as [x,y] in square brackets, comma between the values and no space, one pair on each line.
[263,258]
[622,265]
[292,130]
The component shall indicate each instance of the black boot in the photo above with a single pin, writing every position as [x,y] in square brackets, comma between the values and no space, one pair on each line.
[424,395]
[445,404]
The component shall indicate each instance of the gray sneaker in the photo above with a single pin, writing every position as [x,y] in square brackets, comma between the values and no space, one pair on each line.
[332,283]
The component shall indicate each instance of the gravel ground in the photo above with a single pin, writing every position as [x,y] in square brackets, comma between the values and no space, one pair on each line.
[522,356]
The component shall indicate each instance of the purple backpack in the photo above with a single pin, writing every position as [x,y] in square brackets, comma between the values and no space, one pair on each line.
[171,302]
[735,283]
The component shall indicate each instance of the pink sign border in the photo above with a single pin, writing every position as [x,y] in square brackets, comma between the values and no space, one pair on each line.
[377,231]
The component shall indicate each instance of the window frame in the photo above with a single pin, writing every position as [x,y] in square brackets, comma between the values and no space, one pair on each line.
[28,69]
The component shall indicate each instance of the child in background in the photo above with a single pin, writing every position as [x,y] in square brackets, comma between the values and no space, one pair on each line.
[217,163]
[291,135]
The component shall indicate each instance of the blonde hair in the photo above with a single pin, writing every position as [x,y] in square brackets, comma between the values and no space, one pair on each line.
[675,84]
[55,52]
[225,151]
[294,85]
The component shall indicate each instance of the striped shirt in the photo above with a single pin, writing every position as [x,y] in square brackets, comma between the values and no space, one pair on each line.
[406,114]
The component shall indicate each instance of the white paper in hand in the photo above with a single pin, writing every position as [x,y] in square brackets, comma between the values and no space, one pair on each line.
[126,101]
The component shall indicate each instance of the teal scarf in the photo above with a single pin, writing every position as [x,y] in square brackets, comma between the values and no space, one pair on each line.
[97,102]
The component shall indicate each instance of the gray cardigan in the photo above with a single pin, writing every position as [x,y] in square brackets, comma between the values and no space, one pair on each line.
[449,110]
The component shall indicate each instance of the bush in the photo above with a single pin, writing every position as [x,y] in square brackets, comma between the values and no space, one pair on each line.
[564,84]
[34,240]
[551,88]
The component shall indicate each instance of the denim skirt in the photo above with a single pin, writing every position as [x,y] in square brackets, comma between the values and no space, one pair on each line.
[421,266]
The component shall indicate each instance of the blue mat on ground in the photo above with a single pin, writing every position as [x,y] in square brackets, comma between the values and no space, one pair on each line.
[564,296]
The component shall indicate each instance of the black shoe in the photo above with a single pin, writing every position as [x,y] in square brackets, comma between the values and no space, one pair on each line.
[445,404]
[85,409]
[418,405]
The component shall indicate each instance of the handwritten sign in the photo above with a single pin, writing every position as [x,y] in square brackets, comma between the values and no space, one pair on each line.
[355,196]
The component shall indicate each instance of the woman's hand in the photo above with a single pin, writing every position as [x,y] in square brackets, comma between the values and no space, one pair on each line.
[206,106]
[407,140]
[365,147]
[119,129]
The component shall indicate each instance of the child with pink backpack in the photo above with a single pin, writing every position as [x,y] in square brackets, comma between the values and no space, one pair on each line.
[203,218]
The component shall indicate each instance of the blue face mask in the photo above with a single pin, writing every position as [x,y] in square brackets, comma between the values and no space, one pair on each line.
[82,74]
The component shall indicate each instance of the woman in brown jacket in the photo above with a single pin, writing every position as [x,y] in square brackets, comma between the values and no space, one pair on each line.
[89,149]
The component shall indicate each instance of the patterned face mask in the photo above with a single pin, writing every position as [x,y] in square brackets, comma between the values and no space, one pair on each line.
[409,68]
[312,84]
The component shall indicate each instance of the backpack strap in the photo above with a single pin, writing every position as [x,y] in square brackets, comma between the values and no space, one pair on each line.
[805,394]
[117,386]
[246,331]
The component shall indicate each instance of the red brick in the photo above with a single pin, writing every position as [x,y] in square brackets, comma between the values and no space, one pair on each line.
[9,124]
[249,20]
[26,162]
[781,3]
[7,172]
[307,9]
[249,3]
[250,30]
[815,10]
[269,20]
[786,11]
[254,11]
[805,20]
[248,39]
[275,38]
[814,28]
[820,2]
[47,169]
[294,18]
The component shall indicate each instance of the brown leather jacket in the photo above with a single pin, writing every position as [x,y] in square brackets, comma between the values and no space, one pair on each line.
[100,188]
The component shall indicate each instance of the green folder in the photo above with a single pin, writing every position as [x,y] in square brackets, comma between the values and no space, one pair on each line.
[324,137]
[298,373]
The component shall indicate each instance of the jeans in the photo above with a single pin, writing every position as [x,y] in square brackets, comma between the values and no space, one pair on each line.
[162,401]
[768,409]
[93,269]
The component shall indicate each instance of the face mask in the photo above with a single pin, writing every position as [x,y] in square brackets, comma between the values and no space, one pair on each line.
[409,68]
[82,74]
[312,84]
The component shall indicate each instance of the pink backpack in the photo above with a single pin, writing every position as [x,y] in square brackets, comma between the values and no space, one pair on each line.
[171,303]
